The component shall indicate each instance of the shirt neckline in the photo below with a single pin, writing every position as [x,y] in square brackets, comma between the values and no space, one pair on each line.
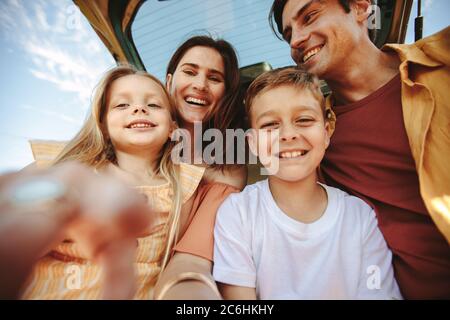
[384,89]
[297,228]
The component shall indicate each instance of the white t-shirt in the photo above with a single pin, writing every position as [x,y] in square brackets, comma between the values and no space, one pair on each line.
[342,255]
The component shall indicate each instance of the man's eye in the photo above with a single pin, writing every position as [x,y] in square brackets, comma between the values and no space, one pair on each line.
[310,16]
[122,105]
[153,105]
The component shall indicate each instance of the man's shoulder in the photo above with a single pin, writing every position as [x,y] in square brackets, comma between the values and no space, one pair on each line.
[432,50]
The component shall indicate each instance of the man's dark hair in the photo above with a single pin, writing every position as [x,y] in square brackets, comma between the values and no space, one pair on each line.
[276,13]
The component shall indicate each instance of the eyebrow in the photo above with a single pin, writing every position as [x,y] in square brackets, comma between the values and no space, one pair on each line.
[299,13]
[196,66]
[127,95]
[297,109]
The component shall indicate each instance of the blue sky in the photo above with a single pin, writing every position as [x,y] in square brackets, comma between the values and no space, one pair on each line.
[51,60]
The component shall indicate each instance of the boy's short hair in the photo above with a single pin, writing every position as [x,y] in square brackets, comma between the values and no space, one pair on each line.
[291,76]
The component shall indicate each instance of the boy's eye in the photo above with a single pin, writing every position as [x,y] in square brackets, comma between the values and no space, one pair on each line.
[304,121]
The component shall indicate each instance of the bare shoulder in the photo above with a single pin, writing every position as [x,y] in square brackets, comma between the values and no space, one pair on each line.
[235,176]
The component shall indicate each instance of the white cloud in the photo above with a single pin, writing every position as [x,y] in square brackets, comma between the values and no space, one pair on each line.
[50,113]
[68,55]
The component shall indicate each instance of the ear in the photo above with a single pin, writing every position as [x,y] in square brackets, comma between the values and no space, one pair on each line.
[327,134]
[252,138]
[169,78]
[173,127]
[363,9]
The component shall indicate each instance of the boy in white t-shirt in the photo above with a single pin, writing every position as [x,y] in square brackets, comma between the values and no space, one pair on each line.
[290,237]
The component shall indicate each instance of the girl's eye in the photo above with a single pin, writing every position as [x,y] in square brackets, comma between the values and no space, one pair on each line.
[153,105]
[122,106]
[268,125]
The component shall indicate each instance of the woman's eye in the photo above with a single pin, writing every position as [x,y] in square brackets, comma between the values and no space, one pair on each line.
[189,72]
[215,79]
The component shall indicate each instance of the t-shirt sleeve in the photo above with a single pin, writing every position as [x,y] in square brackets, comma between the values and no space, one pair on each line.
[377,275]
[198,239]
[233,262]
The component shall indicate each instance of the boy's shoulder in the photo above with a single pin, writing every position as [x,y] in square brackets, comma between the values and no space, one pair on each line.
[248,202]
[251,192]
[352,206]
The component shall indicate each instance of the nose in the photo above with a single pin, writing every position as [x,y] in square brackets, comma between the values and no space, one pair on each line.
[299,37]
[200,83]
[140,109]
[288,133]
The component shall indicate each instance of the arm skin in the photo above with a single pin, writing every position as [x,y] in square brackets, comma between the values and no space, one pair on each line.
[191,289]
[230,292]
[235,176]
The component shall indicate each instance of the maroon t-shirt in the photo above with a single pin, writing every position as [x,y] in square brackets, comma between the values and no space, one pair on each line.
[370,157]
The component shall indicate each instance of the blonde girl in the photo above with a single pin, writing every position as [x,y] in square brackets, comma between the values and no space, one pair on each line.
[127,136]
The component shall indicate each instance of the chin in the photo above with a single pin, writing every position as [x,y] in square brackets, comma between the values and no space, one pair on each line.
[293,174]
[191,118]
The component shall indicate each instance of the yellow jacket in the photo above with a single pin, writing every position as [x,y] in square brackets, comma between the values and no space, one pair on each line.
[425,76]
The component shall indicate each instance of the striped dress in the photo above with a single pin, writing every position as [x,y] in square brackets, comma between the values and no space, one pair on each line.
[66,274]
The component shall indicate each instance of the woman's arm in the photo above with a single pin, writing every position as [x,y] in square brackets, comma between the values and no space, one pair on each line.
[181,264]
[235,176]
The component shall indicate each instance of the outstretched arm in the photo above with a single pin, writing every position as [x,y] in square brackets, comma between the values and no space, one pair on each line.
[187,277]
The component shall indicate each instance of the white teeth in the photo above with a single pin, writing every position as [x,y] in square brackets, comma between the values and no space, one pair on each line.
[195,100]
[311,53]
[140,125]
[293,154]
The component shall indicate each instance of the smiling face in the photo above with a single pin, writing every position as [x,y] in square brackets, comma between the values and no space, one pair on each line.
[138,114]
[295,118]
[198,83]
[322,34]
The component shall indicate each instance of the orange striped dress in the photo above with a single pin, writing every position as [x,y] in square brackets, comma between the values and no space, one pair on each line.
[66,274]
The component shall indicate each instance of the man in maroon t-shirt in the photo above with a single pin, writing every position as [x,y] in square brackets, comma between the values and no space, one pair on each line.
[369,155]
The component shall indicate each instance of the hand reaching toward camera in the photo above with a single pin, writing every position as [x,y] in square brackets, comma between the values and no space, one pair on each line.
[39,209]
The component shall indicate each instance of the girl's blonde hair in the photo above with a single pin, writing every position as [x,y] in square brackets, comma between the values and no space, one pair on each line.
[92,147]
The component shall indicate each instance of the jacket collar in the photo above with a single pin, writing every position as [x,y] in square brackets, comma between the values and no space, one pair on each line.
[411,53]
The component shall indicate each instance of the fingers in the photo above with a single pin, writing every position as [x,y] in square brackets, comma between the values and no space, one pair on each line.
[117,263]
[33,212]
[110,211]
[40,208]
